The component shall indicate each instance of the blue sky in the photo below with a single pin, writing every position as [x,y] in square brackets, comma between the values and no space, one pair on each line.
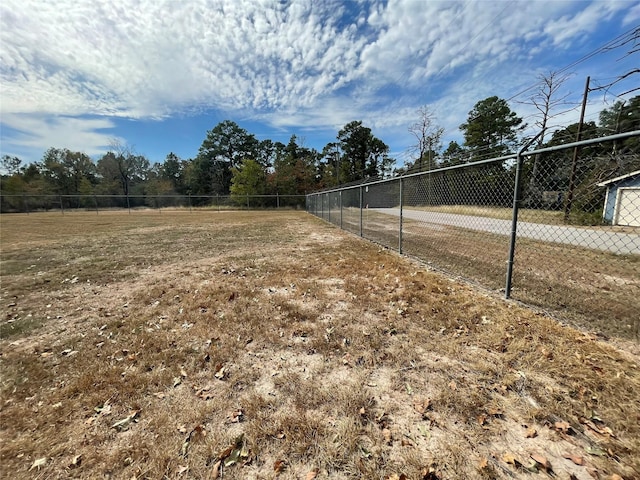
[157,74]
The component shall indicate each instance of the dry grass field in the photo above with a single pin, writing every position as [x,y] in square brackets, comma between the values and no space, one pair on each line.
[548,217]
[267,345]
[593,290]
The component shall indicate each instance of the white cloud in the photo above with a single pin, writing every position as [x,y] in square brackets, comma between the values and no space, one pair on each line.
[301,63]
[632,16]
[149,58]
[576,25]
[35,132]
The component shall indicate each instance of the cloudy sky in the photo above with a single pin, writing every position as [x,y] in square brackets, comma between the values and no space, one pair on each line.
[157,74]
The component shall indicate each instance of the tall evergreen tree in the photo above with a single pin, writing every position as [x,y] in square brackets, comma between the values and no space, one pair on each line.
[225,147]
[491,129]
[364,155]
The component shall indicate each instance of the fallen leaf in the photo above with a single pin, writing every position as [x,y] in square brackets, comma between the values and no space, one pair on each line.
[124,423]
[215,470]
[601,430]
[233,458]
[484,463]
[494,412]
[574,458]
[104,409]
[531,433]
[234,453]
[236,416]
[596,451]
[406,442]
[75,461]
[184,450]
[40,462]
[531,467]
[225,453]
[562,426]
[221,372]
[596,417]
[422,406]
[181,469]
[608,431]
[279,466]
[312,474]
[615,476]
[542,461]
[509,457]
[205,393]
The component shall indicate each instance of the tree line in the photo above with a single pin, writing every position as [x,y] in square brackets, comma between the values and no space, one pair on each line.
[230,161]
[233,161]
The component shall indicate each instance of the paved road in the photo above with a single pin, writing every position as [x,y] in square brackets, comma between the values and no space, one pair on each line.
[621,243]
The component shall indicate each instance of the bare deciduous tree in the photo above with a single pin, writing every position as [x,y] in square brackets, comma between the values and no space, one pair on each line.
[428,138]
[547,101]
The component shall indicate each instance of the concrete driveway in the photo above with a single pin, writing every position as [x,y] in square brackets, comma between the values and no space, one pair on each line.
[620,243]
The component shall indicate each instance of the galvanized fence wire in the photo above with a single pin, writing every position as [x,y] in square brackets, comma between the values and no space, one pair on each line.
[571,223]
[33,202]
[379,221]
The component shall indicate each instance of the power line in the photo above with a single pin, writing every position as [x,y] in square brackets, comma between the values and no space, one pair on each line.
[606,46]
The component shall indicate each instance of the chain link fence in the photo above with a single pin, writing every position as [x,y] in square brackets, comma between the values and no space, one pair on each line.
[30,202]
[557,228]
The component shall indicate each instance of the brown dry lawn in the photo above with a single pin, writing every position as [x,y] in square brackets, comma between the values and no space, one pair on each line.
[593,290]
[263,345]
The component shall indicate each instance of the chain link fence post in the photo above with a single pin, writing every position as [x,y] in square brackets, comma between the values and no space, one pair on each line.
[361,207]
[340,209]
[400,226]
[517,188]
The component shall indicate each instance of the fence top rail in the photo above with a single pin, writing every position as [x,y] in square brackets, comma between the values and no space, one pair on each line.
[582,143]
[121,195]
[511,156]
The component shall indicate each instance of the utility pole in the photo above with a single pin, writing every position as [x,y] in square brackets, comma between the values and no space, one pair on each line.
[337,164]
[429,174]
[574,160]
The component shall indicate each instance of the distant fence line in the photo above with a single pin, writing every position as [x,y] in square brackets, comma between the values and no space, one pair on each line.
[29,202]
[548,227]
